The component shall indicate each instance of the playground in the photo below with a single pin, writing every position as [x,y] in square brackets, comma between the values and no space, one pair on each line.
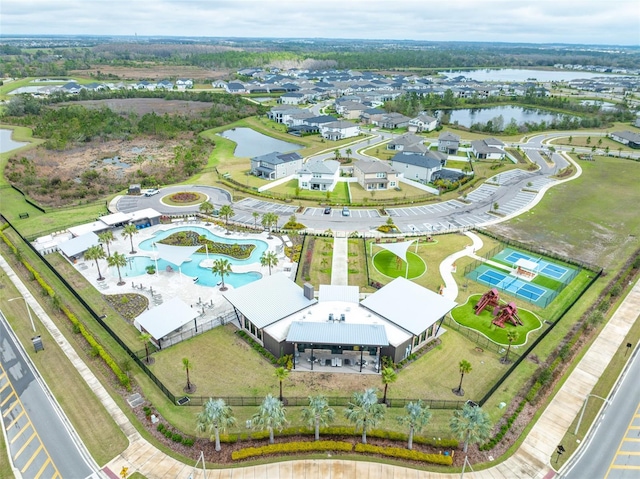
[473,314]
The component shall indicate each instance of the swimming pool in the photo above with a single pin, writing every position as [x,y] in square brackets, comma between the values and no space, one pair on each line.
[137,265]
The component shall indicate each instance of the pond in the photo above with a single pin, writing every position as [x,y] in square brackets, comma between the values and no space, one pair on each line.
[521,75]
[250,143]
[7,143]
[469,116]
[604,105]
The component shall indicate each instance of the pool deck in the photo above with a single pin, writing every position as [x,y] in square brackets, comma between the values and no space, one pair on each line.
[173,284]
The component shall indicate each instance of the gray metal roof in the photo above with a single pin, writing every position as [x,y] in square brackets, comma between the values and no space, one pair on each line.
[79,244]
[416,160]
[268,300]
[332,292]
[408,305]
[337,332]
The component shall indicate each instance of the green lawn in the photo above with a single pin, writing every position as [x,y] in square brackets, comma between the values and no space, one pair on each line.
[393,266]
[465,315]
[290,189]
[357,264]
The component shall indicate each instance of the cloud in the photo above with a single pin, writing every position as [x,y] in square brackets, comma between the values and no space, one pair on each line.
[543,21]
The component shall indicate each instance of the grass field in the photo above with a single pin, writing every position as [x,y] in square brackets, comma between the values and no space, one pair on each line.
[393,266]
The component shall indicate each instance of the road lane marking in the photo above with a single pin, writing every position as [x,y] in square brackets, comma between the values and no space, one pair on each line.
[620,452]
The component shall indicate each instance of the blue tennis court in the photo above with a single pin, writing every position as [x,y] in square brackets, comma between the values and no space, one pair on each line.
[510,284]
[551,270]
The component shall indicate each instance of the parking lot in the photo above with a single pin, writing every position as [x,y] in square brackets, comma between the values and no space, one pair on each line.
[336,212]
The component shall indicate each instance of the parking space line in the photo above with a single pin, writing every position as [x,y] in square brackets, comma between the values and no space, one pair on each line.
[44,466]
[24,446]
[33,456]
[16,419]
[9,396]
[19,433]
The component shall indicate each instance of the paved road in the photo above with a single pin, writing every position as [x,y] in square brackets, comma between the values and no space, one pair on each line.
[38,436]
[612,449]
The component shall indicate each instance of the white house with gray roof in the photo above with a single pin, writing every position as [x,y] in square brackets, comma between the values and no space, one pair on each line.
[339,130]
[628,138]
[418,167]
[448,143]
[422,122]
[276,165]
[375,175]
[318,175]
[488,149]
[337,330]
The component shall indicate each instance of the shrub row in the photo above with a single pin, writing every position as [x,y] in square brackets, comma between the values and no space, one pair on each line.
[291,447]
[258,347]
[174,436]
[77,325]
[402,453]
[504,428]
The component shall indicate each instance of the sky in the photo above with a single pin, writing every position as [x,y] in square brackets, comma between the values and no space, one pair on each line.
[613,22]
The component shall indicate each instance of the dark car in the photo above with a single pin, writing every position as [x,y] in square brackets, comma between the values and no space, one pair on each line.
[327,210]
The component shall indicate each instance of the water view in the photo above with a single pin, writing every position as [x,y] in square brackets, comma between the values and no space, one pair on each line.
[519,75]
[250,143]
[469,116]
[7,143]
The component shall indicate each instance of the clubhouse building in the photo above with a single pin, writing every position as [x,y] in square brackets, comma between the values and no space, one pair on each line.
[337,330]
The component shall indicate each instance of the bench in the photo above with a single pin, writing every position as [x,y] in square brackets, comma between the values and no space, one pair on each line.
[23,215]
[183,400]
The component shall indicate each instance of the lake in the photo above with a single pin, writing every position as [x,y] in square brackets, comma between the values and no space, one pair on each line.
[468,116]
[520,75]
[250,143]
[7,143]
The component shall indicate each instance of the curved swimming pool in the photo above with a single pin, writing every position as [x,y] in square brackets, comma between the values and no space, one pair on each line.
[137,265]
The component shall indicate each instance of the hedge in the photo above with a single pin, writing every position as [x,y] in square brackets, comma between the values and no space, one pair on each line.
[122,377]
[258,347]
[402,453]
[291,447]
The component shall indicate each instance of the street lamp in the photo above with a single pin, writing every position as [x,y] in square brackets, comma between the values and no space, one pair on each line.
[28,310]
[584,406]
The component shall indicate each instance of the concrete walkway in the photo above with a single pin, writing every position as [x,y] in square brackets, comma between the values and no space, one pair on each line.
[446,267]
[531,460]
[339,263]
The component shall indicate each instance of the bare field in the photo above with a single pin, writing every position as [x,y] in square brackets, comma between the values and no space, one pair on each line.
[142,106]
[152,72]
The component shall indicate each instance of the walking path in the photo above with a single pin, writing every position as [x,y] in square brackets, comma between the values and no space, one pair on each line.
[340,264]
[446,267]
[531,460]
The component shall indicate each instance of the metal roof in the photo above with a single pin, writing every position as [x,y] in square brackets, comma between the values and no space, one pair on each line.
[79,244]
[166,318]
[337,332]
[408,305]
[268,300]
[332,292]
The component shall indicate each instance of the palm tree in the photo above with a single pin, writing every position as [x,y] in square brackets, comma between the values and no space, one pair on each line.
[106,237]
[255,215]
[130,230]
[496,206]
[206,207]
[119,261]
[215,417]
[270,259]
[221,267]
[365,411]
[144,338]
[226,211]
[281,373]
[388,376]
[268,220]
[471,425]
[186,365]
[271,415]
[512,335]
[324,262]
[95,253]
[465,367]
[348,152]
[417,417]
[336,153]
[318,414]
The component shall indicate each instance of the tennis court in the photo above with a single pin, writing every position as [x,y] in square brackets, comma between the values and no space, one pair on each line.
[546,268]
[512,285]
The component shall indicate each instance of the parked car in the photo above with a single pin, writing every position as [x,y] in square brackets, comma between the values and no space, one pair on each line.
[327,210]
[345,211]
[151,192]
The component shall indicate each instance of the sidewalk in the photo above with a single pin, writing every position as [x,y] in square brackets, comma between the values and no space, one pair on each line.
[339,262]
[531,460]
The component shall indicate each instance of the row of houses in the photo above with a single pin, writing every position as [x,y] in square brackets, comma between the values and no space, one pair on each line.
[73,88]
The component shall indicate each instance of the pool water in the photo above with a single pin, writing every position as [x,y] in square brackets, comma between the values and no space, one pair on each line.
[137,265]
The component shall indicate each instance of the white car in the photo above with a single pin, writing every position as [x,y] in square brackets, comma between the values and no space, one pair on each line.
[151,192]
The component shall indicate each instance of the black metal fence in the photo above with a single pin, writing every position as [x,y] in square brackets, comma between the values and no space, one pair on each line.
[478,338]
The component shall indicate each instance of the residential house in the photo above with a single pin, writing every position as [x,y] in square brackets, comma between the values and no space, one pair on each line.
[235,87]
[321,120]
[405,141]
[375,175]
[390,121]
[292,98]
[350,110]
[488,149]
[418,167]
[276,165]
[318,175]
[165,85]
[339,130]
[184,83]
[626,138]
[422,122]
[448,143]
